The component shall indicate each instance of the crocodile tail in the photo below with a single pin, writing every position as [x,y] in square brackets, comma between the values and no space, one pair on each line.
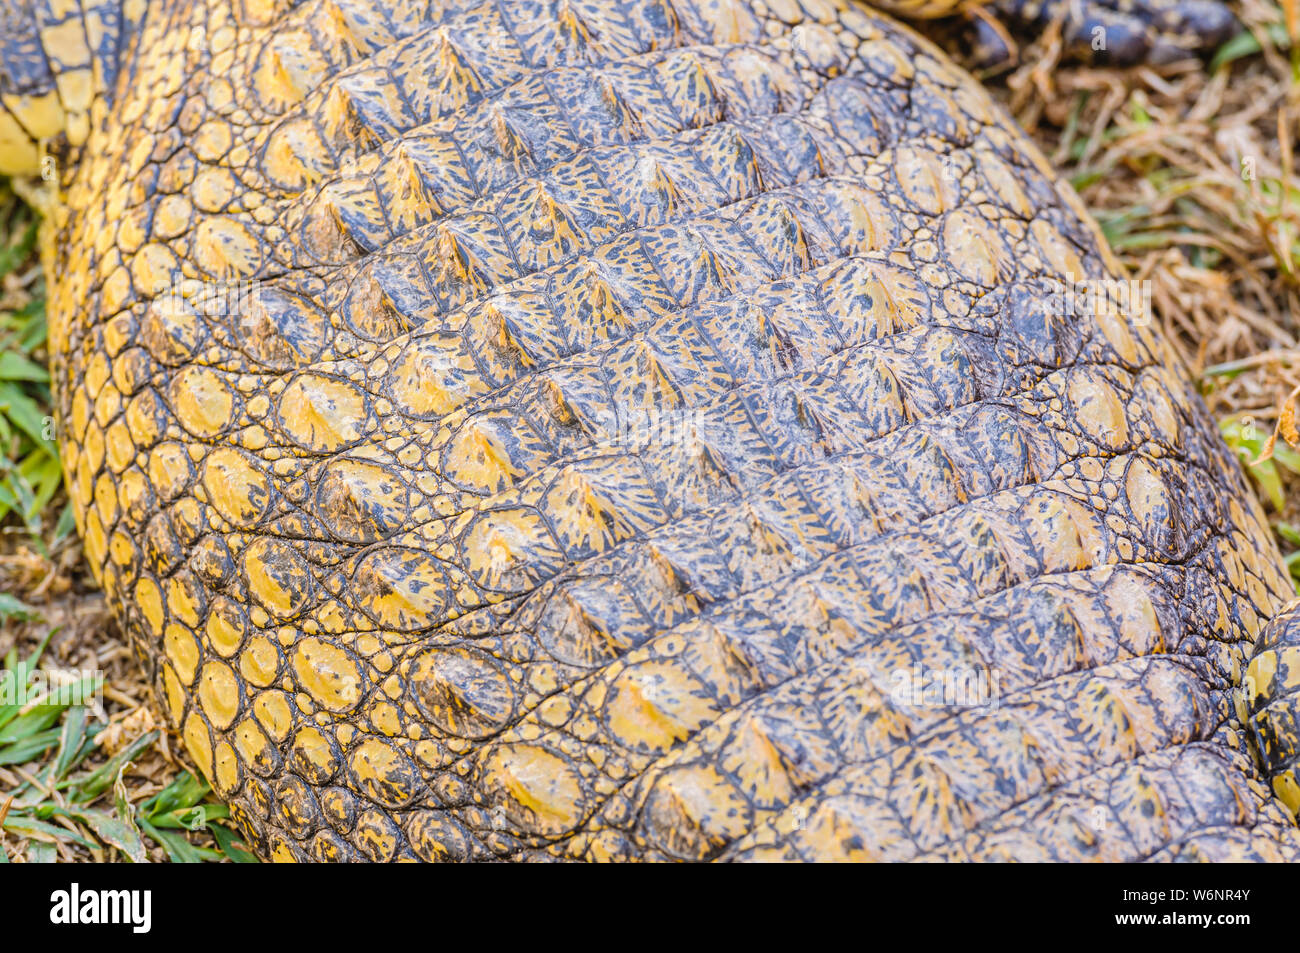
[1270,703]
[56,61]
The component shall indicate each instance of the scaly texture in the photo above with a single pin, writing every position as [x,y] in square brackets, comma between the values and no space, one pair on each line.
[586,429]
[1114,32]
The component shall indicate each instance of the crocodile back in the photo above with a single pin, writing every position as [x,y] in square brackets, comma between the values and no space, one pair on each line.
[642,429]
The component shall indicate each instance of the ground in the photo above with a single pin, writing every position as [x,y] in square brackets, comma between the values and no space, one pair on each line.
[1189,170]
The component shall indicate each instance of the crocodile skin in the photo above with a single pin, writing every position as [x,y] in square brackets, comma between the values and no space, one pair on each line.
[592,429]
[1270,702]
[1113,32]
[56,58]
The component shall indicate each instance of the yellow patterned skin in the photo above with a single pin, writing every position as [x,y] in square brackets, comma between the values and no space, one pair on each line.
[58,58]
[592,429]
[1270,703]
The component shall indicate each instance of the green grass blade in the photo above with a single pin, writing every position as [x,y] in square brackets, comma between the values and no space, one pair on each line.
[184,792]
[14,609]
[30,724]
[180,850]
[20,752]
[111,830]
[15,366]
[70,742]
[26,416]
[30,826]
[231,845]
[98,781]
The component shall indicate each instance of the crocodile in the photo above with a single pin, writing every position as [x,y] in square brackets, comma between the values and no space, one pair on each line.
[640,430]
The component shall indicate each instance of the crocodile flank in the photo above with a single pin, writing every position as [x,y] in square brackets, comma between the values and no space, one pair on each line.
[656,429]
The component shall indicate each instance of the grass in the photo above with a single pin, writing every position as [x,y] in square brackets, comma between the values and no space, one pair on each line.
[1188,170]
[29,460]
[70,798]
